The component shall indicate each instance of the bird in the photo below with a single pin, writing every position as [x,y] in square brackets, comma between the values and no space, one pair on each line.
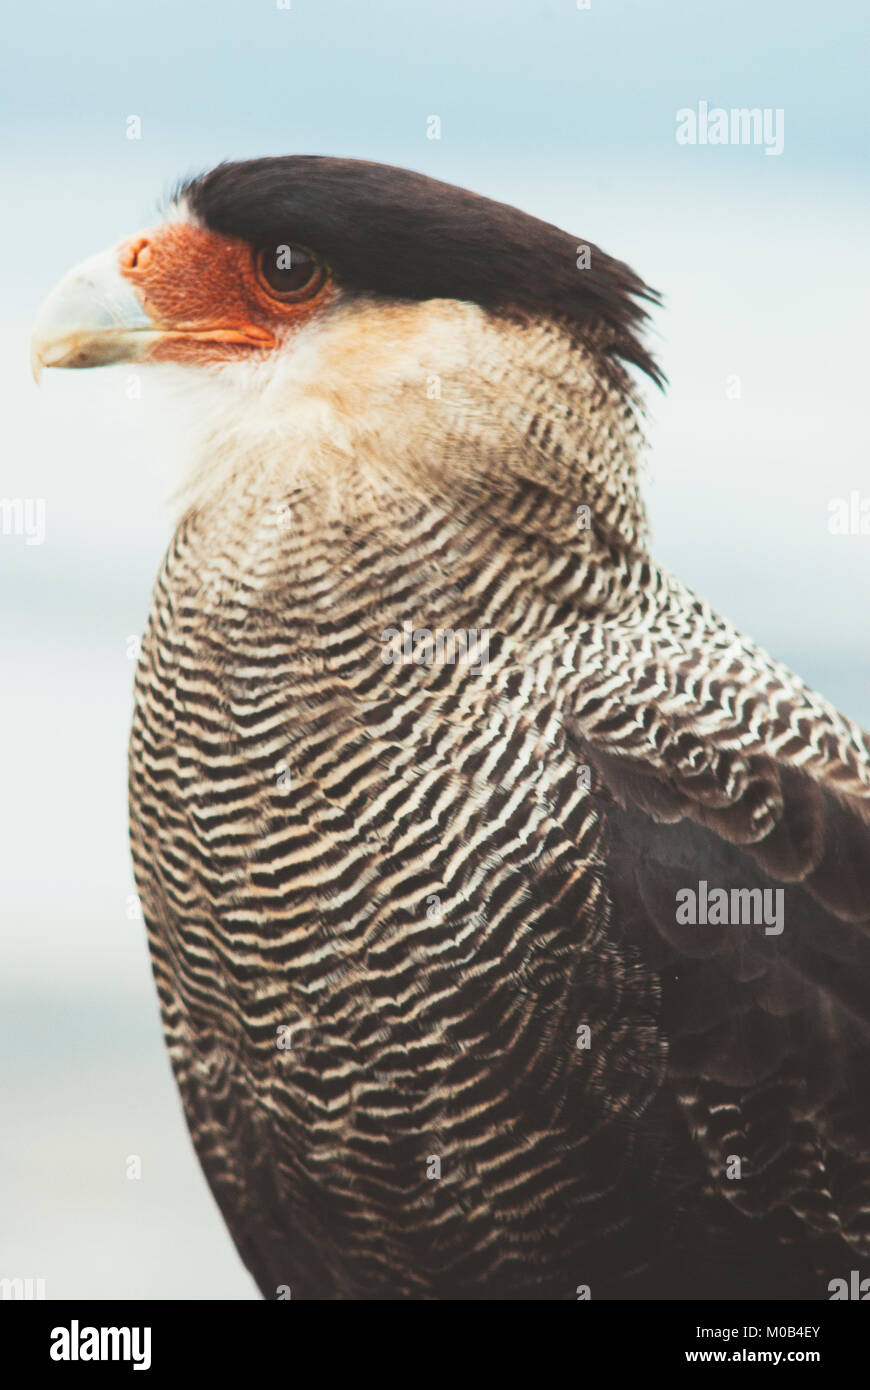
[507,907]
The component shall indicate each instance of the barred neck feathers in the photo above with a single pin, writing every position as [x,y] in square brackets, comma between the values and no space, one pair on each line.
[441,399]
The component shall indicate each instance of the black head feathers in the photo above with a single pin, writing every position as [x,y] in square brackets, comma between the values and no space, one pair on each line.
[398,233]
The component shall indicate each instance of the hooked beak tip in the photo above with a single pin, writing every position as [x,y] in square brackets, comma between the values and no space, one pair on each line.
[92,318]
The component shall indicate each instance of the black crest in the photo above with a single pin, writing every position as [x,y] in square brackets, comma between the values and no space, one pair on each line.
[398,233]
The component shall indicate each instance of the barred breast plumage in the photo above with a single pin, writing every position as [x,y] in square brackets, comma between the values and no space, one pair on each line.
[426,753]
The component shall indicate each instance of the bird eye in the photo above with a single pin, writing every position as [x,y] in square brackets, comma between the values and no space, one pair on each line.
[288,272]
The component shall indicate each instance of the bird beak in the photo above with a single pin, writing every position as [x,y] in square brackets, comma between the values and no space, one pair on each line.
[91,318]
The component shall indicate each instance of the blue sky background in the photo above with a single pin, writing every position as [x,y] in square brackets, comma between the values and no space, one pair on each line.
[570,114]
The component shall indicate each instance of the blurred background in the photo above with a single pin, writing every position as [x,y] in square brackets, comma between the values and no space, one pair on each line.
[567,111]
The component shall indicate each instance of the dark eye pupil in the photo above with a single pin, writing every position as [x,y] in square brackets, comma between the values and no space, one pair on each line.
[286,268]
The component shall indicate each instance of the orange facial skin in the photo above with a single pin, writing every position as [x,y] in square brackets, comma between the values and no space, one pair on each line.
[205,296]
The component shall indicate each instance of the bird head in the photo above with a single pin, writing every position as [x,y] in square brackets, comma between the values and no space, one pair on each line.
[323,298]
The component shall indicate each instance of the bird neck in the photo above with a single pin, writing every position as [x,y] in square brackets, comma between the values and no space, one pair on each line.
[442,405]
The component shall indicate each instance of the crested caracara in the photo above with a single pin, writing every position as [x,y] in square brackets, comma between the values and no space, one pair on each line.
[508,908]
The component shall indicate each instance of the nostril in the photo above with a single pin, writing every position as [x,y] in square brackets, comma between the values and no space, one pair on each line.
[137,254]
